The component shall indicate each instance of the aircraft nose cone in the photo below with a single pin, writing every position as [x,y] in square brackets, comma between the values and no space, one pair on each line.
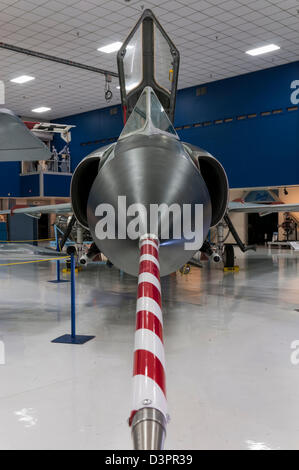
[147,170]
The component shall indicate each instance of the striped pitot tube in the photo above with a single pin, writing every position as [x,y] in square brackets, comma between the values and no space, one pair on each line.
[149,388]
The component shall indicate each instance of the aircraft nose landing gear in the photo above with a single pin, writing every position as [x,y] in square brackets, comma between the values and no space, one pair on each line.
[227,250]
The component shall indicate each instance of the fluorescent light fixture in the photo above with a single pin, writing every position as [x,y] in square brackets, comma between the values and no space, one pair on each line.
[115,46]
[42,109]
[22,79]
[263,50]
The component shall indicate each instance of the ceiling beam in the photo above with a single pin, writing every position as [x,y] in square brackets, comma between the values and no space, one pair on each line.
[59,60]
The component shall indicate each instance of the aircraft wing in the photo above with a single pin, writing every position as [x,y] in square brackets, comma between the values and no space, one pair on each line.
[262,209]
[36,210]
[17,143]
[232,207]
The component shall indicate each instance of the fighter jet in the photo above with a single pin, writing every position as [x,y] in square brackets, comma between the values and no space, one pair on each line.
[147,167]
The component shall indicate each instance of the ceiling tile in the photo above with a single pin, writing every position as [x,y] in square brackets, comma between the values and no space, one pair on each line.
[212,36]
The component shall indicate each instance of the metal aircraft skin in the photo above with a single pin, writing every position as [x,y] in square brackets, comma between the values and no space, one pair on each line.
[149,164]
[17,143]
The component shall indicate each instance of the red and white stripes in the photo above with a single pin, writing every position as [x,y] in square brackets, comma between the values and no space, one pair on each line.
[149,388]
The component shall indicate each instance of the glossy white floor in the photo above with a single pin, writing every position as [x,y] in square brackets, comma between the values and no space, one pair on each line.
[231,383]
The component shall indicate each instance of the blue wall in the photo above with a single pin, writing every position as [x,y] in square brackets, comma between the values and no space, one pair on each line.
[254,92]
[261,150]
[10,179]
[258,145]
[29,185]
[57,185]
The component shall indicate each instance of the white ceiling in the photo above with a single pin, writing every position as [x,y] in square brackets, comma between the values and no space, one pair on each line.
[212,36]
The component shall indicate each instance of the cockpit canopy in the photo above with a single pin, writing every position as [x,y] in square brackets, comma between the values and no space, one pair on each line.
[148,58]
[148,117]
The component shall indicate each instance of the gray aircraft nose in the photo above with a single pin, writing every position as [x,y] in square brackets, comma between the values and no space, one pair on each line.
[148,170]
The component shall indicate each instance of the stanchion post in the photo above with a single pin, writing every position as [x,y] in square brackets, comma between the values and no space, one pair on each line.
[73,338]
[73,295]
[58,271]
[58,249]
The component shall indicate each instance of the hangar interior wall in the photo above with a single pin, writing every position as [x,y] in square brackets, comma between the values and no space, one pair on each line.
[249,122]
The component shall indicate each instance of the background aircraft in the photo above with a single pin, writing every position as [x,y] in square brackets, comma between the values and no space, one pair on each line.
[17,142]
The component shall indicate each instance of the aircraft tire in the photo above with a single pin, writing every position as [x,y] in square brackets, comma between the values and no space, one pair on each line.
[229,256]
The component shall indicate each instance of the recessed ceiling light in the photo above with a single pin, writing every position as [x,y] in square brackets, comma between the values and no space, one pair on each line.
[22,79]
[263,49]
[42,109]
[115,46]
